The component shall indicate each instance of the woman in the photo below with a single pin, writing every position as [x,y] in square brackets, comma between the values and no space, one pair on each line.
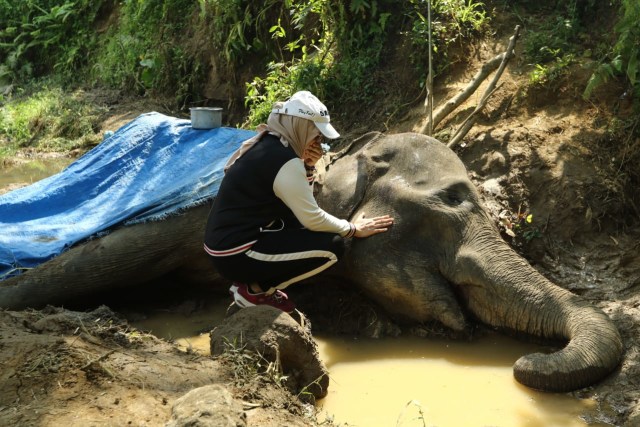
[265,230]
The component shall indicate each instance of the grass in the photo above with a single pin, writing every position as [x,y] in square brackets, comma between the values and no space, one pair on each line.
[248,365]
[46,118]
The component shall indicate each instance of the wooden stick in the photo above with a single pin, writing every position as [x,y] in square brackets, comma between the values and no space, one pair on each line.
[493,64]
[454,102]
[429,99]
[466,126]
[468,123]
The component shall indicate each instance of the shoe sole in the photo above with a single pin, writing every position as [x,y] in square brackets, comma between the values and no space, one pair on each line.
[243,303]
[239,299]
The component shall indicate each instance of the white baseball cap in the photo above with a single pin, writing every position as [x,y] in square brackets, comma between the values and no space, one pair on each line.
[305,104]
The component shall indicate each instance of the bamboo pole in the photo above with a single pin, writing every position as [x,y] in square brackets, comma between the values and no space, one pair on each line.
[429,99]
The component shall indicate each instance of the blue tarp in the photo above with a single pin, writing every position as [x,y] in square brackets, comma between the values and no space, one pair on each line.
[150,168]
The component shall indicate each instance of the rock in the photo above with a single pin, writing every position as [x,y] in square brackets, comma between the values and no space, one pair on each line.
[208,406]
[59,320]
[277,337]
[634,416]
[492,187]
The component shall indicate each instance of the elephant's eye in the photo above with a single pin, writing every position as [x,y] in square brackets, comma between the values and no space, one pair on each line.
[453,198]
[455,194]
[384,156]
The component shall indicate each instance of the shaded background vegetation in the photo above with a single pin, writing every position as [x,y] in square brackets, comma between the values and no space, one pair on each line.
[244,55]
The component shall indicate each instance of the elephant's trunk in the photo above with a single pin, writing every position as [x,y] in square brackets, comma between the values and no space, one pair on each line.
[504,291]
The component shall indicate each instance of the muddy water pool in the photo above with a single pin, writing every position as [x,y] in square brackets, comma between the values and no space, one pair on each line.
[409,381]
[28,172]
[426,382]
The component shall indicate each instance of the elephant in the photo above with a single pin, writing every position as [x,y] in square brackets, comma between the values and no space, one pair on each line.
[443,259]
[444,256]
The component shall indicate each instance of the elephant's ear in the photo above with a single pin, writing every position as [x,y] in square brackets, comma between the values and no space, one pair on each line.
[346,179]
[356,145]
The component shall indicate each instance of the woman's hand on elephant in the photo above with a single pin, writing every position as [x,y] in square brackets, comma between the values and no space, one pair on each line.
[366,227]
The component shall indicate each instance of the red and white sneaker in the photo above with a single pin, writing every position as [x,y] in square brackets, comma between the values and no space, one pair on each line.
[243,297]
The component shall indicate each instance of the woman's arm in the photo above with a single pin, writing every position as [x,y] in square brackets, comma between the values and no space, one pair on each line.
[292,187]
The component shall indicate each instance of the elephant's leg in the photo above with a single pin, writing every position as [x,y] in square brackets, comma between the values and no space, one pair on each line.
[423,298]
[437,301]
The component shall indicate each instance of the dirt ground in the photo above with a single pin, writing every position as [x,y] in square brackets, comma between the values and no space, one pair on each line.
[62,367]
[538,152]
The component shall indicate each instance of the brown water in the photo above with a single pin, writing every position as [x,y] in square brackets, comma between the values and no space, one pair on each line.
[418,382]
[26,173]
[410,381]
[390,382]
[186,330]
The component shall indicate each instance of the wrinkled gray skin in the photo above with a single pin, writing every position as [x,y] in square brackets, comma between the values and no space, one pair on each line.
[443,257]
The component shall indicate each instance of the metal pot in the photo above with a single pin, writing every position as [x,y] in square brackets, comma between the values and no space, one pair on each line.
[206,117]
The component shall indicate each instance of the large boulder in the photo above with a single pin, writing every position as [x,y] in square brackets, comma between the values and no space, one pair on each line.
[277,338]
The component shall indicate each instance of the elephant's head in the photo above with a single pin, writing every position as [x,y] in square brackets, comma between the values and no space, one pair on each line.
[444,255]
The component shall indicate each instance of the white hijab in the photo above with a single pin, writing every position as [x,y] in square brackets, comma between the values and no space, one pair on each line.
[291,130]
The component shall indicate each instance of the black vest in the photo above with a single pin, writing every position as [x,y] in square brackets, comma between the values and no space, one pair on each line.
[246,202]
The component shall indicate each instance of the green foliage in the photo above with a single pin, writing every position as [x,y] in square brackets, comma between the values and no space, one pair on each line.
[168,46]
[295,69]
[146,50]
[354,49]
[543,75]
[142,49]
[338,56]
[550,44]
[281,82]
[41,36]
[363,24]
[48,120]
[241,27]
[328,46]
[452,22]
[624,58]
[355,34]
[552,39]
